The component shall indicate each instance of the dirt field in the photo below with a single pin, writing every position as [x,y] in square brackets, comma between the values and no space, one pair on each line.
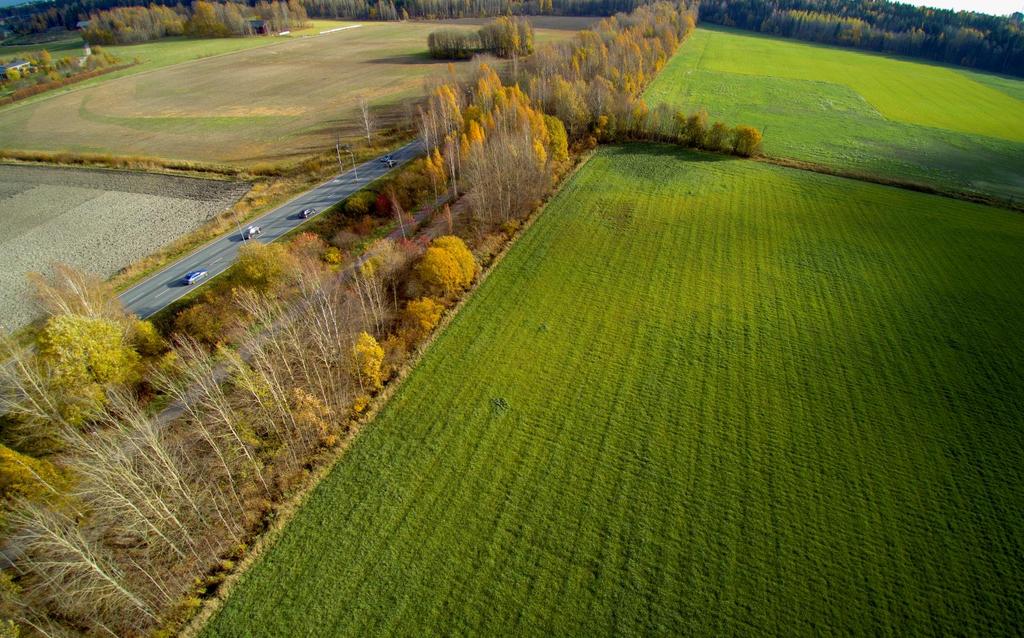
[98,221]
[272,103]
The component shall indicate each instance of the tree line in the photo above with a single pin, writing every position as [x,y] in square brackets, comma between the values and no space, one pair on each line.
[964,38]
[128,25]
[118,517]
[567,95]
[505,37]
[39,17]
[446,9]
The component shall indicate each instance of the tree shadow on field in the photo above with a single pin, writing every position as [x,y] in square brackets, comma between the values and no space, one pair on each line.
[670,152]
[412,58]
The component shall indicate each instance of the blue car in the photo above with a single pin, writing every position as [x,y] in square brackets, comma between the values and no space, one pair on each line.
[194,277]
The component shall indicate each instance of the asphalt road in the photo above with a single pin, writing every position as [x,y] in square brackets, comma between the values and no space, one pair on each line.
[166,286]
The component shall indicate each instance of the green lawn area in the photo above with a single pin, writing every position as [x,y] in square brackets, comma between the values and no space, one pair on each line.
[700,396]
[856,111]
[58,46]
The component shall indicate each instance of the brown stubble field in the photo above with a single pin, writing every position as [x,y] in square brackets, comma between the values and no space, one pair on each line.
[95,220]
[269,104]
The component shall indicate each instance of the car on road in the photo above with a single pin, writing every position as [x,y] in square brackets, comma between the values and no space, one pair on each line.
[252,231]
[195,277]
[307,213]
[387,159]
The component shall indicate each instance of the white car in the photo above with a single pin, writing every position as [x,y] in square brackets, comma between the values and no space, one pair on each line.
[252,231]
[307,213]
[194,277]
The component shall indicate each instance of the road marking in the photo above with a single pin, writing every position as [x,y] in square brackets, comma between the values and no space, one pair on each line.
[371,171]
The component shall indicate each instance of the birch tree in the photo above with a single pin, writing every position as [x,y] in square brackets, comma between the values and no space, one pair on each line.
[367,117]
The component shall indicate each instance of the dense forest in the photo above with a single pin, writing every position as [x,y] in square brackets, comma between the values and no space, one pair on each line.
[968,39]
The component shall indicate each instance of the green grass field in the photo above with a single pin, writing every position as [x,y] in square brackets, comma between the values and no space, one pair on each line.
[700,396]
[856,111]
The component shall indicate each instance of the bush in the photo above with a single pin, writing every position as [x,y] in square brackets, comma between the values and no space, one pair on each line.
[369,361]
[395,349]
[489,246]
[457,248]
[206,321]
[440,272]
[86,355]
[718,137]
[382,205]
[746,141]
[345,239]
[359,204]
[262,267]
[447,266]
[26,477]
[420,317]
[333,255]
[145,338]
[364,226]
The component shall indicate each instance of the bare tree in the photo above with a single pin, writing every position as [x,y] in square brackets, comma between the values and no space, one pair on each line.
[69,571]
[71,292]
[368,122]
[28,394]
[196,386]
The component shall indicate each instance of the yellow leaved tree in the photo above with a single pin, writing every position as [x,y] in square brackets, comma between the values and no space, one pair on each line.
[447,266]
[369,361]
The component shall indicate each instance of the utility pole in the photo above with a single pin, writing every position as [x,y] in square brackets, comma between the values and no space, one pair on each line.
[348,149]
[353,156]
[238,224]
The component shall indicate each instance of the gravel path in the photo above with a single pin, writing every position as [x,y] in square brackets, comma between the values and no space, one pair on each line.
[95,220]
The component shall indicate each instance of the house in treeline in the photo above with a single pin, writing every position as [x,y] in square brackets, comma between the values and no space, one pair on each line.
[23,67]
[82,24]
[259,27]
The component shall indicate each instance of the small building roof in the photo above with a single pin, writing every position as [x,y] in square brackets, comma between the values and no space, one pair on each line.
[81,24]
[14,64]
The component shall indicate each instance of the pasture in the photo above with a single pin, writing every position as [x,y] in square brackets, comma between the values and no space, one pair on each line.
[267,103]
[700,396]
[97,221]
[887,116]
